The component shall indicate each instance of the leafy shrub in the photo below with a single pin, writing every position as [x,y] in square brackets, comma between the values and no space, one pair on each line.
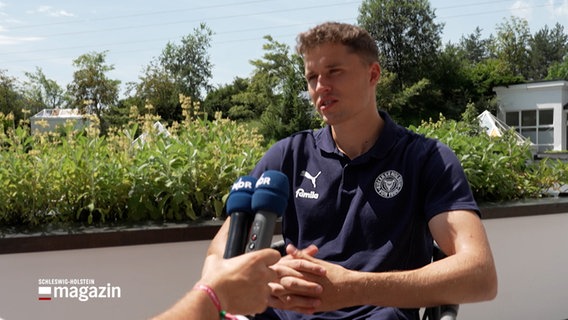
[497,168]
[182,174]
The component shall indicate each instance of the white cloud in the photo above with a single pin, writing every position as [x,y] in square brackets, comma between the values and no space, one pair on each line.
[522,9]
[50,11]
[7,40]
[560,10]
[2,13]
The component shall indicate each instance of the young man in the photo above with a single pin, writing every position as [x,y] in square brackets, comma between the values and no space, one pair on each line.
[368,199]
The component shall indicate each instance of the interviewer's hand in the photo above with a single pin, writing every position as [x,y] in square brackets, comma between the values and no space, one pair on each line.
[241,282]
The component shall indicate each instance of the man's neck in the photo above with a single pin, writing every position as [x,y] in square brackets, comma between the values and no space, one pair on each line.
[357,137]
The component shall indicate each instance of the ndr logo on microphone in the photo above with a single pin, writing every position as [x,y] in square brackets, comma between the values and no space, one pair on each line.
[241,184]
[263,181]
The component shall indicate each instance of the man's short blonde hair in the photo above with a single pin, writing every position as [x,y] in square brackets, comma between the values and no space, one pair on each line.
[358,40]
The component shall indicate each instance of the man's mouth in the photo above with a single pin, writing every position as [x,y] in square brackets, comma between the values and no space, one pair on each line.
[326,103]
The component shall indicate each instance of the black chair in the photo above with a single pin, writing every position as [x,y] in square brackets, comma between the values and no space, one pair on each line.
[444,312]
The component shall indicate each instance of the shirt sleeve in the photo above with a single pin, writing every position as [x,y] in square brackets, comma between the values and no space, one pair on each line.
[271,160]
[445,183]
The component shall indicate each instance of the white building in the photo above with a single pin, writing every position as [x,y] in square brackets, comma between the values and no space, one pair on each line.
[538,111]
[48,120]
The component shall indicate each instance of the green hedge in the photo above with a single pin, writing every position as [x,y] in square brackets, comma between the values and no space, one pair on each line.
[185,174]
[497,168]
[81,177]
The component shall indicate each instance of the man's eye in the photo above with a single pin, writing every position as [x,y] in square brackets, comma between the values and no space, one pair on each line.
[311,78]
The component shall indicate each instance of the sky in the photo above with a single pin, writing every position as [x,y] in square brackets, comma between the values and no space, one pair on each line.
[50,34]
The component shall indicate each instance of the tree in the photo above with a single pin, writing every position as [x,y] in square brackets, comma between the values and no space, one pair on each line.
[278,92]
[265,83]
[558,70]
[546,48]
[292,111]
[490,73]
[157,87]
[475,48]
[224,100]
[417,75]
[91,90]
[42,92]
[397,102]
[406,34]
[189,63]
[511,45]
[450,80]
[11,98]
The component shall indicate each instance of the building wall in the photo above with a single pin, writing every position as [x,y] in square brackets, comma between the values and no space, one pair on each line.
[54,122]
[47,120]
[538,96]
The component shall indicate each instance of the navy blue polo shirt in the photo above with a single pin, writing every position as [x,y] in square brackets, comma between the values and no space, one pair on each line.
[370,213]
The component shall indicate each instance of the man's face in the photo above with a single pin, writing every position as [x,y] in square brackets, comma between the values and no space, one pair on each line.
[340,83]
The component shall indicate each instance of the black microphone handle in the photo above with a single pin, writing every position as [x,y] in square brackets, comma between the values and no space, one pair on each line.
[261,231]
[238,231]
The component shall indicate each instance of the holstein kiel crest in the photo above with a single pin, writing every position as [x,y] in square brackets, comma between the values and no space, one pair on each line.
[388,184]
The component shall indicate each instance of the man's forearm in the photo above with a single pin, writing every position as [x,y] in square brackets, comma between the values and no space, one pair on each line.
[465,276]
[454,280]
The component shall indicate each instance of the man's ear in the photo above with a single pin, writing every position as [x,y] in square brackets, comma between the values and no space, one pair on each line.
[375,73]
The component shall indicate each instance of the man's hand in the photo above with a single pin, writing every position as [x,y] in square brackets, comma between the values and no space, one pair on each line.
[298,288]
[334,283]
[308,284]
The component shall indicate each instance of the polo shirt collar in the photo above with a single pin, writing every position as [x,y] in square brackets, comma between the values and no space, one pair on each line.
[387,139]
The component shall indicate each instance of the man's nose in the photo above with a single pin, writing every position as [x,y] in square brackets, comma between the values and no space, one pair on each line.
[322,84]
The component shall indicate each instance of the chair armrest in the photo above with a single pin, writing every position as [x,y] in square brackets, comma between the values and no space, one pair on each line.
[279,246]
[449,312]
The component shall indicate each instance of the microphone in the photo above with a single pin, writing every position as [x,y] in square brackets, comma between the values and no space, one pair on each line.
[269,201]
[240,210]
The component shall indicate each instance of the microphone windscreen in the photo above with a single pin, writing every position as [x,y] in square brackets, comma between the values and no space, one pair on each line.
[271,192]
[240,196]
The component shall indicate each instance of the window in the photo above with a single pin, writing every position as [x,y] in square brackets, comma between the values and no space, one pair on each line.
[528,118]
[546,117]
[512,119]
[537,125]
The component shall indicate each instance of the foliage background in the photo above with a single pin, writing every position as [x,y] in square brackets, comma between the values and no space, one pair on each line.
[142,173]
[497,168]
[179,175]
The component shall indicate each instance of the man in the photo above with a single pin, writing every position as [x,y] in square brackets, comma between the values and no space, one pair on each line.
[368,199]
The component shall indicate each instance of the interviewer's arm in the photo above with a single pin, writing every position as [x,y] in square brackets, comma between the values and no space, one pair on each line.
[217,245]
[239,283]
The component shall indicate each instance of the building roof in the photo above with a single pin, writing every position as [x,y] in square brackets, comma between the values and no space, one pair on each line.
[495,127]
[58,113]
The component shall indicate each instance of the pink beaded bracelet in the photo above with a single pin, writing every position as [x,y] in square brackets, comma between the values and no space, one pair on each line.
[215,299]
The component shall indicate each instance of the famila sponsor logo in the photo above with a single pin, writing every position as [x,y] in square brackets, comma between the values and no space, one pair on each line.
[301,193]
